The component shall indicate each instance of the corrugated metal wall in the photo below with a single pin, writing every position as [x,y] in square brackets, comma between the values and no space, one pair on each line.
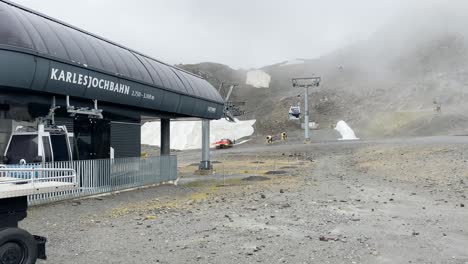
[126,139]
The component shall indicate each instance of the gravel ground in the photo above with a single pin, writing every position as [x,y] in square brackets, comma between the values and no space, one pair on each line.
[397,201]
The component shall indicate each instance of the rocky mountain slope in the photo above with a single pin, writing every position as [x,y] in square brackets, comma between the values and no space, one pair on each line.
[385,86]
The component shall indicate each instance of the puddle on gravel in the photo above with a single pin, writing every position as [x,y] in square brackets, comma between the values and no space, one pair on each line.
[288,167]
[275,172]
[256,178]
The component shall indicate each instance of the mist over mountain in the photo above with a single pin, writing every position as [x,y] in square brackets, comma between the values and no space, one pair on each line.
[387,85]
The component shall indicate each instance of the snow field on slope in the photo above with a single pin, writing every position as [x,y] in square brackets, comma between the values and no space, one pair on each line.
[187,135]
[258,79]
[345,131]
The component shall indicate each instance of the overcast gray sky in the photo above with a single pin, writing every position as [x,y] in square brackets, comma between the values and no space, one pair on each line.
[239,33]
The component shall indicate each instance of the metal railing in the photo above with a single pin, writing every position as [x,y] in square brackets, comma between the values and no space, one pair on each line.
[35,175]
[15,182]
[106,175]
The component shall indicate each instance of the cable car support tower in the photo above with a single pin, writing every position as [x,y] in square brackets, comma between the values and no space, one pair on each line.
[231,110]
[306,83]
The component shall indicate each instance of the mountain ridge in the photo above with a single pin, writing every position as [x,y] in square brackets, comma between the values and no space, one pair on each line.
[393,77]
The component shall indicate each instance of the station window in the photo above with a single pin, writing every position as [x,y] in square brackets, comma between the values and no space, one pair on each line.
[60,147]
[47,151]
[22,147]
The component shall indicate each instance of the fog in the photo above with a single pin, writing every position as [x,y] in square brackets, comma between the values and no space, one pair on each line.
[245,33]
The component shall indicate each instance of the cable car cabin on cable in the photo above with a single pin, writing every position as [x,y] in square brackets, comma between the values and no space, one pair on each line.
[103,91]
[294,113]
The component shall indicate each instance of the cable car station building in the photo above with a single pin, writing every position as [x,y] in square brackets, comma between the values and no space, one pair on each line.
[55,74]
[71,109]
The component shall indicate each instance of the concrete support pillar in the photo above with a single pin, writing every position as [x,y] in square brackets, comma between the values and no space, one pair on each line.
[306,116]
[165,137]
[205,164]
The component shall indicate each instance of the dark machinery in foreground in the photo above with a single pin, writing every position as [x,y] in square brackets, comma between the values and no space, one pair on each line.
[17,246]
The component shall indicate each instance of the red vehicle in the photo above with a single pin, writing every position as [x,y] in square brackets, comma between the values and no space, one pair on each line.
[224,143]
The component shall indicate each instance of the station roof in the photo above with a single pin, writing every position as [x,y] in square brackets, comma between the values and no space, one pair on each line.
[83,60]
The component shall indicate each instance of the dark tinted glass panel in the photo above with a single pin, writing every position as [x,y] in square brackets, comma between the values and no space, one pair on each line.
[104,57]
[154,74]
[101,139]
[22,147]
[115,56]
[47,151]
[38,42]
[92,139]
[73,50]
[88,50]
[51,40]
[83,148]
[60,147]
[11,31]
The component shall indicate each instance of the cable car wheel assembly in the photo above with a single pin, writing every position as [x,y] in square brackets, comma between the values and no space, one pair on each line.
[17,246]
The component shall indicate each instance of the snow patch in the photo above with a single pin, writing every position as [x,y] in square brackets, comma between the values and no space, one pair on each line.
[242,142]
[293,62]
[188,134]
[258,79]
[346,132]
